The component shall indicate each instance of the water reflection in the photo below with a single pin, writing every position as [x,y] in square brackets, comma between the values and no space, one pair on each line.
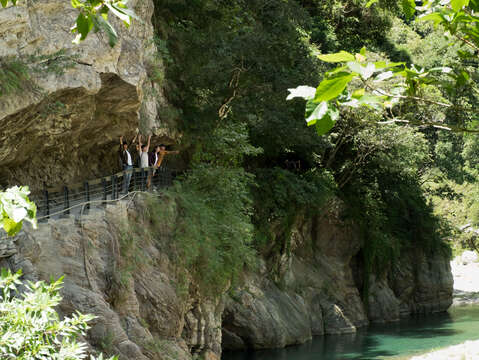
[408,336]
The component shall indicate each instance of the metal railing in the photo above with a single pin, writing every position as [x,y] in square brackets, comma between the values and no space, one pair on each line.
[65,199]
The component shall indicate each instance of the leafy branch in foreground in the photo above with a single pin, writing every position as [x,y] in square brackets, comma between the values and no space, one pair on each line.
[381,85]
[356,82]
[30,328]
[15,207]
[93,16]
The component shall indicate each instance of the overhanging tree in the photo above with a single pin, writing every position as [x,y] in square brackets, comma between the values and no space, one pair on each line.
[382,85]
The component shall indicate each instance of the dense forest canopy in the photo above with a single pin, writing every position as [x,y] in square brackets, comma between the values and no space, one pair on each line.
[229,67]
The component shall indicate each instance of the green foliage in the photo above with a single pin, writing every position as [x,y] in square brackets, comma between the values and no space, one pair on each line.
[93,16]
[386,198]
[372,91]
[349,25]
[5,2]
[383,86]
[231,65]
[213,231]
[32,329]
[281,196]
[15,207]
[239,66]
[13,77]
[228,145]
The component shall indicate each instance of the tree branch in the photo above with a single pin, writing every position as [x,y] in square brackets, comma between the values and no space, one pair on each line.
[433,124]
[468,42]
[412,98]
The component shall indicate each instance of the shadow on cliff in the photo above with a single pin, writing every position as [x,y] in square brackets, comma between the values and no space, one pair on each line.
[71,135]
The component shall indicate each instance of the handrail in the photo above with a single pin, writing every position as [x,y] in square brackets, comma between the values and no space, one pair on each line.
[60,199]
[4,236]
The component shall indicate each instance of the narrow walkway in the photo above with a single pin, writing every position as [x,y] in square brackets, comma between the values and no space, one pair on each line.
[70,200]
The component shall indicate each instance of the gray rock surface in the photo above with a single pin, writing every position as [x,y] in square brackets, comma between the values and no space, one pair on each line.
[422,283]
[317,292]
[143,314]
[144,311]
[383,306]
[63,125]
[317,296]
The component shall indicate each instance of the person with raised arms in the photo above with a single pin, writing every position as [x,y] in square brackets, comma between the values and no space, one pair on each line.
[126,161]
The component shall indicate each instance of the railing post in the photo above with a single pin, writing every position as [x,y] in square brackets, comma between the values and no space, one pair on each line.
[159,181]
[124,180]
[105,193]
[66,204]
[143,179]
[133,175]
[169,177]
[47,204]
[163,179]
[87,195]
[113,186]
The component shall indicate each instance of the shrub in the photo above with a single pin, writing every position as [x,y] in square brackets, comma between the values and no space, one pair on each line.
[30,328]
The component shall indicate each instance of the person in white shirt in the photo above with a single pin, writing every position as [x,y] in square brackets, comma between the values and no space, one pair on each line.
[144,163]
[144,156]
[126,162]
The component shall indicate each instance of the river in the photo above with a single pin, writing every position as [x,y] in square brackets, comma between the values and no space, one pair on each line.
[401,339]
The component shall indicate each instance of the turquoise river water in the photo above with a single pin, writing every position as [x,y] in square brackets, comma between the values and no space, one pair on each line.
[407,337]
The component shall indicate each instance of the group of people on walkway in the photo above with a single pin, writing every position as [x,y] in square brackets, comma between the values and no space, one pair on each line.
[143,159]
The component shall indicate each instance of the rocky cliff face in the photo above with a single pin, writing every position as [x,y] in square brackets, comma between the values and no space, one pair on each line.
[144,308]
[62,122]
[119,269]
[319,294]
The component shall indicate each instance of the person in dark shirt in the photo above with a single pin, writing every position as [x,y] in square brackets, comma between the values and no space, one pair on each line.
[157,157]
[126,161]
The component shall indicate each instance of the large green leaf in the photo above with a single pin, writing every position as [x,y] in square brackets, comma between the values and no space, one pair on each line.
[435,17]
[316,111]
[304,92]
[330,88]
[386,65]
[459,4]
[365,71]
[324,125]
[77,4]
[341,56]
[104,25]
[15,207]
[84,25]
[11,227]
[409,8]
